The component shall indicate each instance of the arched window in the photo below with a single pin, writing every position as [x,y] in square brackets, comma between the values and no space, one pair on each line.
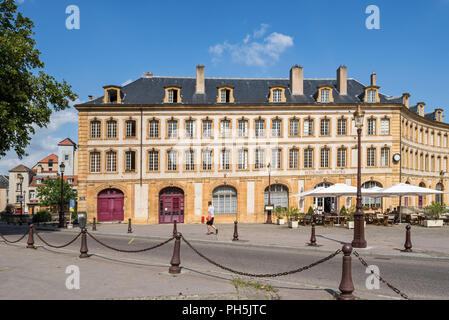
[278,195]
[225,200]
[368,201]
[439,197]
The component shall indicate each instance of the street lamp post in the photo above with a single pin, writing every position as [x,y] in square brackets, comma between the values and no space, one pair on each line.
[359,217]
[61,204]
[21,193]
[269,208]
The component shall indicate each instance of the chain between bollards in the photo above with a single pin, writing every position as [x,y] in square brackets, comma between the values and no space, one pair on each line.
[408,241]
[130,230]
[176,259]
[94,225]
[236,234]
[30,241]
[346,286]
[84,249]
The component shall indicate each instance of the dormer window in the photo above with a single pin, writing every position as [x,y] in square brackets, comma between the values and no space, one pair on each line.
[225,95]
[372,94]
[277,95]
[112,94]
[325,94]
[172,95]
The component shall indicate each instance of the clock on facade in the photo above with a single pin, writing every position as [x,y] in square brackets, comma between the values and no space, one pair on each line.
[396,157]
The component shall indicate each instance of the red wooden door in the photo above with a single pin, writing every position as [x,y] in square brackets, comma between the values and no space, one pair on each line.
[110,205]
[171,205]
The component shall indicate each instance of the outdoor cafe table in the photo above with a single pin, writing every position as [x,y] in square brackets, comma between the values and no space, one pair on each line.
[337,218]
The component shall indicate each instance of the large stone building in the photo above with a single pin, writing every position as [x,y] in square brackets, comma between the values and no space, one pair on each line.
[162,147]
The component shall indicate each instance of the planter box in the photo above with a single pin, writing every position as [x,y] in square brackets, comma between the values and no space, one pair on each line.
[280,221]
[350,224]
[293,224]
[433,223]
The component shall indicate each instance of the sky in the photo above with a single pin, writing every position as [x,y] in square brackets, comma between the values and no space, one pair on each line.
[118,41]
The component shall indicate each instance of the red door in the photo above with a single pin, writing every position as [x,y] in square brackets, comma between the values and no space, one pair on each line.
[171,205]
[110,205]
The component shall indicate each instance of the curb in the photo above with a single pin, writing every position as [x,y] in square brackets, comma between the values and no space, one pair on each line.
[408,256]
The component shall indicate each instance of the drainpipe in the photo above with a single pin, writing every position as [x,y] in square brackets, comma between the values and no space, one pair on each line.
[141,137]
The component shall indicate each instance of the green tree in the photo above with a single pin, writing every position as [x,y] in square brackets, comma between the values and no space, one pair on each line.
[49,193]
[27,94]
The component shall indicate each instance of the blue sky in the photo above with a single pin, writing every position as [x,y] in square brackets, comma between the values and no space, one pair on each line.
[118,41]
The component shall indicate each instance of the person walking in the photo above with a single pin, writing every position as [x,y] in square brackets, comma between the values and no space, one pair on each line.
[210,218]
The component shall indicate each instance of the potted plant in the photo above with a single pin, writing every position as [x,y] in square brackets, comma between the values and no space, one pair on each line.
[293,214]
[343,212]
[280,214]
[433,213]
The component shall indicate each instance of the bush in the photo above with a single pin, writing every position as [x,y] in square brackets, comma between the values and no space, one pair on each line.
[433,211]
[42,216]
[343,211]
[310,211]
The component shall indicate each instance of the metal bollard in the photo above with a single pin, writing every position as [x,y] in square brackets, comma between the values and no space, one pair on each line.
[346,286]
[176,260]
[408,241]
[175,229]
[130,230]
[30,241]
[236,234]
[94,225]
[84,249]
[312,236]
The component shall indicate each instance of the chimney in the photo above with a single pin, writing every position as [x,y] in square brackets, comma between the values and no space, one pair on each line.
[421,108]
[373,79]
[200,86]
[90,98]
[406,99]
[297,80]
[342,80]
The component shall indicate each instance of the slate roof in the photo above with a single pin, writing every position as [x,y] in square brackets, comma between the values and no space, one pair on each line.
[430,116]
[151,91]
[4,182]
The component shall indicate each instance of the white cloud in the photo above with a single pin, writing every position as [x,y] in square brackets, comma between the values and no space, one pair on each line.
[254,53]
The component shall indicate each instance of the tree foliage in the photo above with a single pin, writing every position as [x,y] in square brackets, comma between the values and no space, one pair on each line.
[49,193]
[27,94]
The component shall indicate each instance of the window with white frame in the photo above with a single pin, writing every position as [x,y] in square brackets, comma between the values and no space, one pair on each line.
[294,158]
[153,160]
[371,127]
[277,95]
[225,128]
[95,162]
[259,159]
[276,127]
[225,95]
[225,200]
[243,159]
[260,128]
[95,129]
[207,128]
[172,160]
[172,96]
[32,194]
[225,156]
[445,141]
[153,129]
[371,96]
[111,129]
[172,129]
[308,127]
[111,161]
[324,158]
[325,95]
[308,158]
[189,128]
[324,128]
[341,157]
[207,159]
[190,160]
[294,127]
[276,158]
[385,157]
[341,127]
[385,126]
[243,128]
[130,128]
[371,157]
[130,161]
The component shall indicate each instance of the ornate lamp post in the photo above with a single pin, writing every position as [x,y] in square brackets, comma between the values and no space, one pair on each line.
[359,217]
[61,204]
[269,207]
[21,192]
